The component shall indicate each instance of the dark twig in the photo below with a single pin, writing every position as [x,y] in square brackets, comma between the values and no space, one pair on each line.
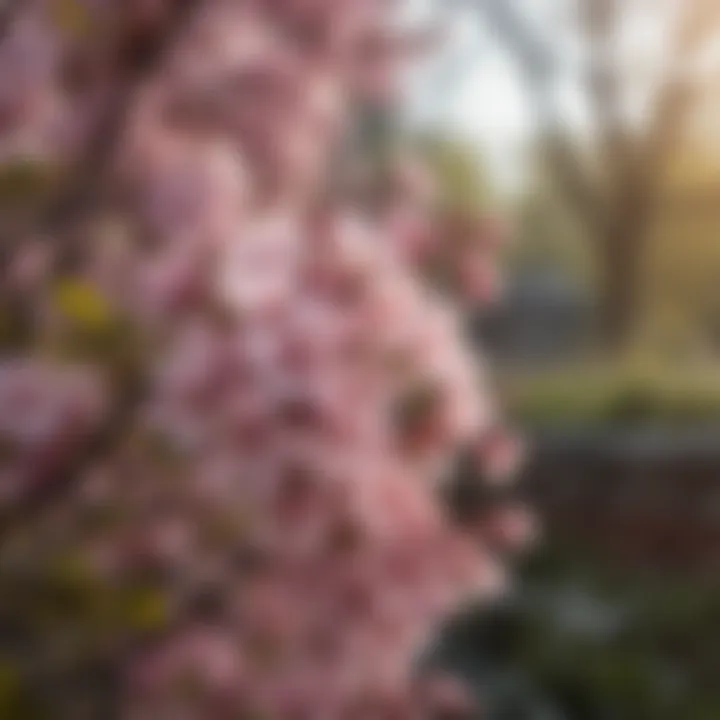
[89,175]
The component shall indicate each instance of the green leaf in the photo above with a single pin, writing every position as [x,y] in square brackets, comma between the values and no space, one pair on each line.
[9,683]
[84,305]
[147,610]
[24,181]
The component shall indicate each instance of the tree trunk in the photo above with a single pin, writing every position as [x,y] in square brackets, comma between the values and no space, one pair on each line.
[621,255]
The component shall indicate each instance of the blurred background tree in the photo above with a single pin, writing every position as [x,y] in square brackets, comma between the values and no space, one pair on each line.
[596,122]
[618,96]
[615,181]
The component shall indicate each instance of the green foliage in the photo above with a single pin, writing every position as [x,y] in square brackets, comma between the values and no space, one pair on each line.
[64,609]
[92,330]
[657,661]
[11,692]
[550,238]
[622,394]
[460,174]
[24,182]
[84,305]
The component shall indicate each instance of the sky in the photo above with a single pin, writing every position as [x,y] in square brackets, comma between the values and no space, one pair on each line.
[472,87]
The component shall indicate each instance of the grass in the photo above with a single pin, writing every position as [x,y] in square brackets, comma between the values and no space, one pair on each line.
[621,393]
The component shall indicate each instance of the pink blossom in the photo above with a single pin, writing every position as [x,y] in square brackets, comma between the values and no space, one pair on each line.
[289,396]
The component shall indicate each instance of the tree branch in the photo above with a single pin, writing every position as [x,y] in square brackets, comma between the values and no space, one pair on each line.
[539,68]
[537,61]
[88,176]
[600,19]
[142,59]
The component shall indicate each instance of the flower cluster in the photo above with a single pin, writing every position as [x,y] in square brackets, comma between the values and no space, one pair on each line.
[248,523]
